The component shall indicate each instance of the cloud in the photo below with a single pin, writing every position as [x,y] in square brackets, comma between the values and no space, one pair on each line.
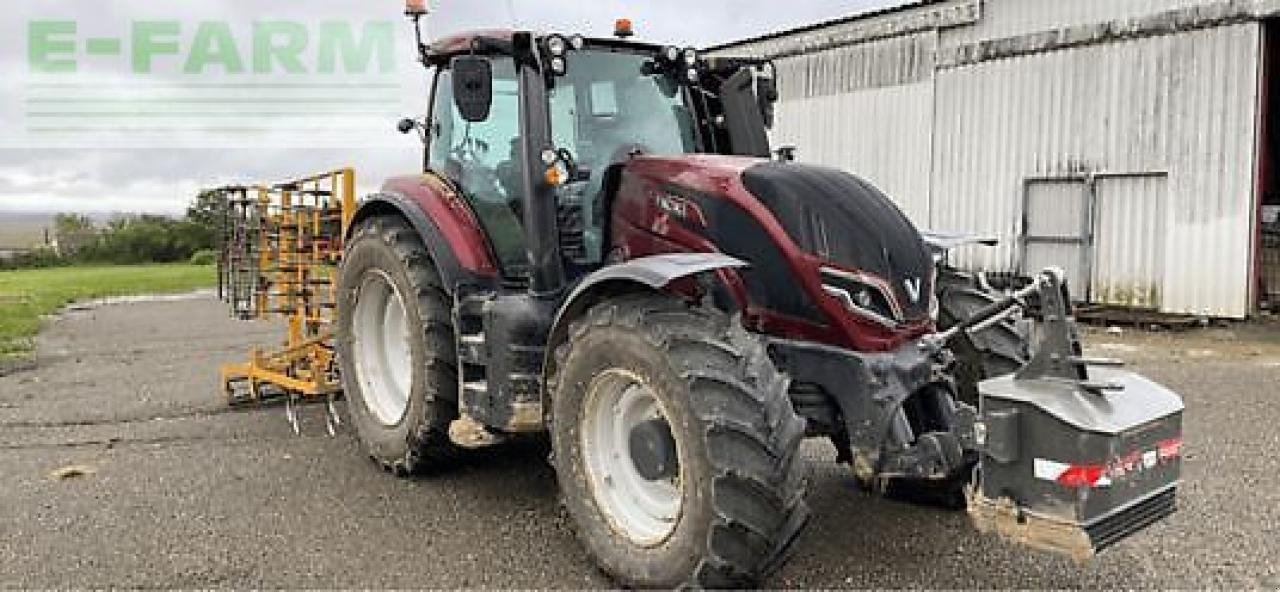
[164,181]
[96,178]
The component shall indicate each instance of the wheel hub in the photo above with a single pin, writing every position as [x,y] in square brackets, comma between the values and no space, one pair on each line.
[653,450]
[381,348]
[631,459]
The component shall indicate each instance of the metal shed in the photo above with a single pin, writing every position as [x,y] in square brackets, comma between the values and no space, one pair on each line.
[1127,141]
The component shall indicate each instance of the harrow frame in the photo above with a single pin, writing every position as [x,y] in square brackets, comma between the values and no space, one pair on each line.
[279,247]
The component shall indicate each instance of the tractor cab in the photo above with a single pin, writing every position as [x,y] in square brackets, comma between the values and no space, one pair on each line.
[532,129]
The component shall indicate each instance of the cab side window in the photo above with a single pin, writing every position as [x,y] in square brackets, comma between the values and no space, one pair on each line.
[482,160]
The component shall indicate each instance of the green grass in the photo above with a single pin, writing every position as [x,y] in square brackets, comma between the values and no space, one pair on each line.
[25,295]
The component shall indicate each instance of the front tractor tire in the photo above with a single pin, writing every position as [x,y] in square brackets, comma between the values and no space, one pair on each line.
[675,446]
[395,348]
[996,351]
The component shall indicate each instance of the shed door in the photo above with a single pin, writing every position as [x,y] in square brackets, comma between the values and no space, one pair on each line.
[1129,244]
[1055,230]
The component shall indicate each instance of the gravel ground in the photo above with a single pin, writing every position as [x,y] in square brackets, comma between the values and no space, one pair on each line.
[180,492]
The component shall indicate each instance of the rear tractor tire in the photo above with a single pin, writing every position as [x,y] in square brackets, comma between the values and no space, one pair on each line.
[675,446]
[396,348]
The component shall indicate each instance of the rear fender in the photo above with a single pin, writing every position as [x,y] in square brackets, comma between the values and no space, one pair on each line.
[642,274]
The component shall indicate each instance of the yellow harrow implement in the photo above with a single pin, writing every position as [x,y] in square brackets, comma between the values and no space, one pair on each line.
[279,249]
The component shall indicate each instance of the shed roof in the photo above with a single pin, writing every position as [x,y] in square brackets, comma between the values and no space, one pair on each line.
[903,6]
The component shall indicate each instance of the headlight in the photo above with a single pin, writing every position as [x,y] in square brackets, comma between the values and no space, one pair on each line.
[556,45]
[861,294]
[577,42]
[671,53]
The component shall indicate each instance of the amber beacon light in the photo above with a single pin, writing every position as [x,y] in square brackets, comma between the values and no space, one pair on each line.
[622,28]
[415,7]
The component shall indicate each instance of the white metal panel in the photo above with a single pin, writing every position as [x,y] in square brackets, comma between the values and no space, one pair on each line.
[1129,240]
[886,62]
[881,135]
[866,109]
[920,16]
[1010,18]
[1055,230]
[1183,103]
[1056,209]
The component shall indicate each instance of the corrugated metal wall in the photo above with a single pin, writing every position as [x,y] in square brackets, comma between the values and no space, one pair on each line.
[923,16]
[878,64]
[1131,229]
[1158,129]
[1007,18]
[1056,229]
[867,109]
[1183,103]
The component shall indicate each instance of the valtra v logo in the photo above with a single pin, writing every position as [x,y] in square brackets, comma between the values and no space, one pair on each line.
[913,288]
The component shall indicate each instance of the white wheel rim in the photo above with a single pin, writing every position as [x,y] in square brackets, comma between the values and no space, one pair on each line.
[382,356]
[644,511]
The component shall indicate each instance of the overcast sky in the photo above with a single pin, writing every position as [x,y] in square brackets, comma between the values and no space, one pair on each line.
[93,178]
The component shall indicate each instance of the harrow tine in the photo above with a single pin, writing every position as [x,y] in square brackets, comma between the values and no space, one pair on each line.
[291,413]
[330,418]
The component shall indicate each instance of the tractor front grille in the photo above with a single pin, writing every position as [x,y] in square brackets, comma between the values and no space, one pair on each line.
[1116,527]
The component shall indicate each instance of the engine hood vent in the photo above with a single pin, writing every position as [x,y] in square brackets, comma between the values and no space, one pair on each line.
[845,220]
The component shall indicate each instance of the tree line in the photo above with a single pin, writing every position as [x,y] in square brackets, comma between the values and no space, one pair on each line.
[129,238]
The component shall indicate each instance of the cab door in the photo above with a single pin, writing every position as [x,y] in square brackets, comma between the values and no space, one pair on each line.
[482,160]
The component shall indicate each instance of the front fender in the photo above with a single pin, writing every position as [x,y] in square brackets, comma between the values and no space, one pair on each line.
[644,273]
[656,271]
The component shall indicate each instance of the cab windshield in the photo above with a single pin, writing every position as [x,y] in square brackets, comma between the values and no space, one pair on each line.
[606,108]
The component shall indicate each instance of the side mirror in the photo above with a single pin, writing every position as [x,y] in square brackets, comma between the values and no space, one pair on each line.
[768,95]
[408,124]
[472,87]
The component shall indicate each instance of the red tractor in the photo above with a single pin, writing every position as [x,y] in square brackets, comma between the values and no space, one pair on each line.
[602,247]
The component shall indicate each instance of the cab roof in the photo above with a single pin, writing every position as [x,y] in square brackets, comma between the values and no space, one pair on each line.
[464,41]
[461,42]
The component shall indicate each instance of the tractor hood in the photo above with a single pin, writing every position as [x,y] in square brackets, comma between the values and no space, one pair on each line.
[843,219]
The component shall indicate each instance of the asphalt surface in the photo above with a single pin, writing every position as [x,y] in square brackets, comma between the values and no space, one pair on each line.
[178,491]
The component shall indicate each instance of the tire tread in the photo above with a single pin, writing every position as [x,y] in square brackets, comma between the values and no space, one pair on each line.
[752,433]
[429,446]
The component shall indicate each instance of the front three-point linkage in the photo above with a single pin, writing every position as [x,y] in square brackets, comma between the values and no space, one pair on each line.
[1058,354]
